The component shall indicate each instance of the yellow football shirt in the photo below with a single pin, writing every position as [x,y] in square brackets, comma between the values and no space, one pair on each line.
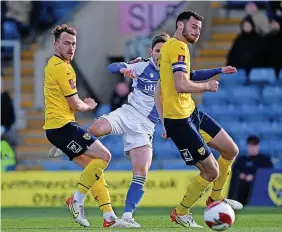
[174,56]
[59,83]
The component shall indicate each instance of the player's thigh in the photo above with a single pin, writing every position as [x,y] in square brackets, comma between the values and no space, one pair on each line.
[112,123]
[82,160]
[187,139]
[100,127]
[223,143]
[216,137]
[141,159]
[209,168]
[99,151]
[209,128]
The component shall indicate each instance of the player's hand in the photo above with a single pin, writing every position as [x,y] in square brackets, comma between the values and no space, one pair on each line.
[212,85]
[90,102]
[164,135]
[249,178]
[138,59]
[228,70]
[127,72]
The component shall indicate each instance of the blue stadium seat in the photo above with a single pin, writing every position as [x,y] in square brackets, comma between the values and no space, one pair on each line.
[158,130]
[236,79]
[245,95]
[175,164]
[67,165]
[280,74]
[272,95]
[164,148]
[221,97]
[103,109]
[123,164]
[115,145]
[51,165]
[271,147]
[262,75]
[259,127]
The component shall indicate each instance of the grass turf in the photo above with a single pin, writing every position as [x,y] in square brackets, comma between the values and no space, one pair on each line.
[153,219]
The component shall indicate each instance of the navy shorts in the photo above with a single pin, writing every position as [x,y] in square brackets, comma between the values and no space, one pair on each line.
[72,139]
[192,134]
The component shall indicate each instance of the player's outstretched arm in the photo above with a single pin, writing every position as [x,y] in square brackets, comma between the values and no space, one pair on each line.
[122,68]
[205,74]
[184,85]
[81,106]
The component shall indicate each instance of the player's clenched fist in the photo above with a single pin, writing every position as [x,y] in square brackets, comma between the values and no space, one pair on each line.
[90,102]
[127,72]
[212,85]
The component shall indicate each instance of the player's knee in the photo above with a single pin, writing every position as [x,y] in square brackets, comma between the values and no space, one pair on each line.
[233,151]
[94,129]
[211,175]
[140,170]
[107,155]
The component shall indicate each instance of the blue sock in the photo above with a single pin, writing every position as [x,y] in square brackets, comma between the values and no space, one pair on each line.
[134,194]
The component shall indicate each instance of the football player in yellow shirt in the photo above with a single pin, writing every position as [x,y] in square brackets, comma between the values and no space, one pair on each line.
[61,103]
[191,130]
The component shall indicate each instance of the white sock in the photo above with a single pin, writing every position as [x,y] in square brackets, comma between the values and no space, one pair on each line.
[79,197]
[127,215]
[110,216]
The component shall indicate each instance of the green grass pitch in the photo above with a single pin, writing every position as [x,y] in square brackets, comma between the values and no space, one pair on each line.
[153,219]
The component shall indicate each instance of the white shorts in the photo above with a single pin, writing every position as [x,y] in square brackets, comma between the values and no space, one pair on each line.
[135,129]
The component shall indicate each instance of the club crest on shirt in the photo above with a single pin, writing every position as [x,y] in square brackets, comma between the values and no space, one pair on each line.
[72,83]
[152,75]
[181,58]
[86,136]
[201,151]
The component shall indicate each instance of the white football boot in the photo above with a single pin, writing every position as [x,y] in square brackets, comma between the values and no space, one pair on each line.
[77,212]
[184,220]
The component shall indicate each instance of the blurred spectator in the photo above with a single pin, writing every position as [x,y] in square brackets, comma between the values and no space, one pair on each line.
[260,20]
[7,118]
[245,169]
[273,46]
[25,15]
[19,13]
[8,157]
[119,96]
[245,52]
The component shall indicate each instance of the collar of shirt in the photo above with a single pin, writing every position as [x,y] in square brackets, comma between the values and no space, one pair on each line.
[153,63]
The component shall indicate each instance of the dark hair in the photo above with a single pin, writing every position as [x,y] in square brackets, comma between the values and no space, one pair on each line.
[250,20]
[186,15]
[253,140]
[58,30]
[162,38]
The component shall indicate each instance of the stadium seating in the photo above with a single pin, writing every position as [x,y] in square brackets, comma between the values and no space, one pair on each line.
[262,75]
[235,79]
[103,109]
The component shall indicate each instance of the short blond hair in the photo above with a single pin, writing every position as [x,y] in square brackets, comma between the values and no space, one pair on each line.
[59,29]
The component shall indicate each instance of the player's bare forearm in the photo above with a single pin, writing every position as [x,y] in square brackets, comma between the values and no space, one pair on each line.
[158,102]
[184,85]
[81,106]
